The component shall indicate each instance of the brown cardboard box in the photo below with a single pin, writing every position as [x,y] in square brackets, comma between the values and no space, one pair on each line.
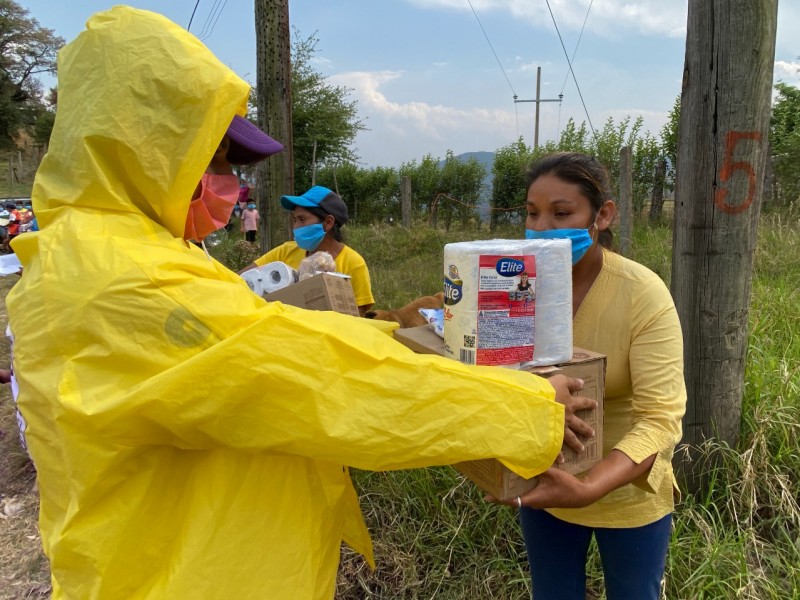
[325,291]
[491,475]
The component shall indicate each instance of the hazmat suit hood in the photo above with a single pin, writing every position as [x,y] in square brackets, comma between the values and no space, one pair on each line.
[190,439]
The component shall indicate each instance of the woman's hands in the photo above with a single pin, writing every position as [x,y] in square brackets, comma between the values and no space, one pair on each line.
[554,489]
[573,426]
[558,489]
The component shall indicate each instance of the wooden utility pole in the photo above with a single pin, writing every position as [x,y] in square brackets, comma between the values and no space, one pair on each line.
[722,152]
[538,100]
[657,199]
[405,200]
[625,200]
[274,176]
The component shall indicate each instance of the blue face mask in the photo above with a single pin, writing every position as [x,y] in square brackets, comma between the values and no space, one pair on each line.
[580,238]
[309,237]
[251,206]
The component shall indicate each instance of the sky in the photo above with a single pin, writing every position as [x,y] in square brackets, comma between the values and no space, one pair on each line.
[436,75]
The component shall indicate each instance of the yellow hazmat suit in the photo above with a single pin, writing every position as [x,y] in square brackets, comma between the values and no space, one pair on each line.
[189,437]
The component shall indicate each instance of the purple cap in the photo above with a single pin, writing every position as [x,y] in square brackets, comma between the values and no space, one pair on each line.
[248,143]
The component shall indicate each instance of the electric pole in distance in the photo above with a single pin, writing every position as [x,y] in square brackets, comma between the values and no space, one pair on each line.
[537,101]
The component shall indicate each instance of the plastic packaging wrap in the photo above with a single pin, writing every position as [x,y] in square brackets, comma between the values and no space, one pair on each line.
[508,302]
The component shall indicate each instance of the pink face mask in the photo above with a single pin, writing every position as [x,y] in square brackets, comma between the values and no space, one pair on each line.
[211,211]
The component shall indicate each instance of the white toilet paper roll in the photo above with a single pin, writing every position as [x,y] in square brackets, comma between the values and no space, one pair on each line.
[270,277]
[495,316]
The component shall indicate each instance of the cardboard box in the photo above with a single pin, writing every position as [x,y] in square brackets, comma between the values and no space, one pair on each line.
[490,474]
[325,291]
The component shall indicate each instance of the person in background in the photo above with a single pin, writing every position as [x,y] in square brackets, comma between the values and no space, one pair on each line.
[26,220]
[159,477]
[317,218]
[4,221]
[250,218]
[242,200]
[14,221]
[623,310]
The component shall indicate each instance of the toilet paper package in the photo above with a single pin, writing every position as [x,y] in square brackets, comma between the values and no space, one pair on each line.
[508,302]
[270,277]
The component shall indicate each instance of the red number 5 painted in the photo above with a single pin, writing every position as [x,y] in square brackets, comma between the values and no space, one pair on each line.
[730,166]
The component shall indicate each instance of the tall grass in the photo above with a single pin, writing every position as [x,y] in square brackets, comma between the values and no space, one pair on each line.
[436,538]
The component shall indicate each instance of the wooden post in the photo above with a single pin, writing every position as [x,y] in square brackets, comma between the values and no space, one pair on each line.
[274,176]
[538,98]
[725,112]
[625,200]
[657,199]
[405,200]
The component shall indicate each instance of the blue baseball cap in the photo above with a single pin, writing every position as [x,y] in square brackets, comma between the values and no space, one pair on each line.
[319,197]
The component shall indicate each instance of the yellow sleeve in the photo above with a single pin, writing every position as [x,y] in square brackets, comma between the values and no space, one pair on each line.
[659,392]
[301,395]
[352,263]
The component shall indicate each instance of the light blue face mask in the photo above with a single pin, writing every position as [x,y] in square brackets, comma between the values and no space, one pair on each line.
[309,236]
[251,206]
[580,238]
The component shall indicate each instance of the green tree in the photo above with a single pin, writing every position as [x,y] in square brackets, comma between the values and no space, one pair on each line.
[425,187]
[645,152]
[511,162]
[508,185]
[26,49]
[669,139]
[460,185]
[785,142]
[371,195]
[324,120]
[574,139]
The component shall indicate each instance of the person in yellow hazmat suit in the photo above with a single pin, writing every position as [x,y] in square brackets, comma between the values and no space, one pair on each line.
[159,476]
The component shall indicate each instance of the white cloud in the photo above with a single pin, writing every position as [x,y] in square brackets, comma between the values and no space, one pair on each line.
[787,71]
[440,65]
[402,131]
[661,17]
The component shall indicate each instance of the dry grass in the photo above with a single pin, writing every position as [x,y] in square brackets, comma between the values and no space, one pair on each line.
[24,571]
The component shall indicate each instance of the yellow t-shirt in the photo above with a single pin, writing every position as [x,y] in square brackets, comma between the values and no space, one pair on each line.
[348,261]
[629,316]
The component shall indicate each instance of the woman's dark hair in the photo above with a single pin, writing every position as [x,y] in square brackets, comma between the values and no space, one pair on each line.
[321,214]
[584,171]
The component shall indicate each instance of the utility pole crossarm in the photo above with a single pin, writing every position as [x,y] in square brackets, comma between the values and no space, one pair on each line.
[538,100]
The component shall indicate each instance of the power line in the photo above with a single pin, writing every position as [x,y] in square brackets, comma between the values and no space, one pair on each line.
[219,14]
[209,17]
[492,47]
[574,52]
[569,62]
[189,26]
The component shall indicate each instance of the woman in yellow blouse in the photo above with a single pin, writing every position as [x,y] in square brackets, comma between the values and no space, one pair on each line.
[317,218]
[624,311]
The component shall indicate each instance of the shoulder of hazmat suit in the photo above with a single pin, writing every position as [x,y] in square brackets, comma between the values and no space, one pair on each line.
[161,476]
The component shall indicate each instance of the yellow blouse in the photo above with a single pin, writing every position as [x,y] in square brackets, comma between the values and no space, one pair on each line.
[348,261]
[629,316]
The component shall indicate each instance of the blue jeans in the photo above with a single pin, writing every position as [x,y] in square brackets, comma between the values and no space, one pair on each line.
[633,559]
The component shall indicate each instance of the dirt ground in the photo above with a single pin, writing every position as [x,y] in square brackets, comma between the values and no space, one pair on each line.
[24,571]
